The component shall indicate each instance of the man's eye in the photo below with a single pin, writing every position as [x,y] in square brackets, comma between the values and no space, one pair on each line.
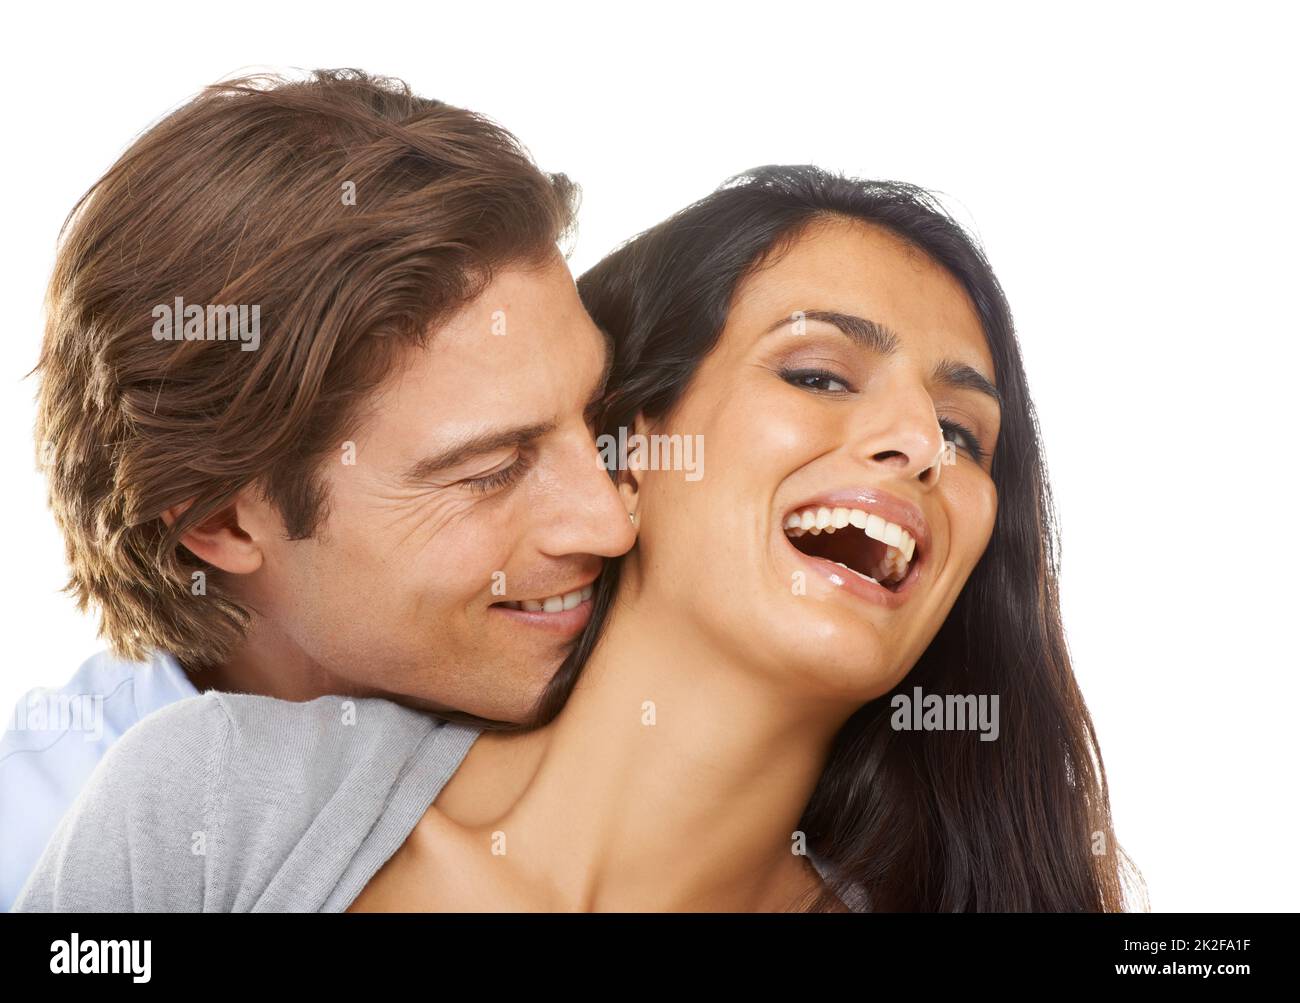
[815,379]
[498,479]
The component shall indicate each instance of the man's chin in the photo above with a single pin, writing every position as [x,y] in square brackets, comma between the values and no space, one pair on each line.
[500,708]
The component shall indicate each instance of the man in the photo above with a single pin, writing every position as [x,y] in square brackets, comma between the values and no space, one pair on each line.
[315,412]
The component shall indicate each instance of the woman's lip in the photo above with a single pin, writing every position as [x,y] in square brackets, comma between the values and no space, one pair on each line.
[882,503]
[565,623]
[857,586]
[887,506]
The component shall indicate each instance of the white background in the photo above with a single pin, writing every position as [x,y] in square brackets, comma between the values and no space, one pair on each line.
[1131,170]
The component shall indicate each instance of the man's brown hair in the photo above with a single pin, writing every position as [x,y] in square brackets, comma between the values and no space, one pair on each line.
[354,215]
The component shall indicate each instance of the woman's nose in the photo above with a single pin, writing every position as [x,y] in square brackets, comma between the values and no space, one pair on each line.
[901,433]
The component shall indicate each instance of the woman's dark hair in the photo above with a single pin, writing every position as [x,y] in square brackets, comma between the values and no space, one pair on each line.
[920,820]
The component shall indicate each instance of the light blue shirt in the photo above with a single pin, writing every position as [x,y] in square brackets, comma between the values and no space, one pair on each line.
[54,739]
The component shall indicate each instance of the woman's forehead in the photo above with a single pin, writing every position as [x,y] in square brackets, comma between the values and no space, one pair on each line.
[862,270]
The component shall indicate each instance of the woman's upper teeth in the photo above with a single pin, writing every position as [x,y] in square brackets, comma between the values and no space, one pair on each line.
[821,519]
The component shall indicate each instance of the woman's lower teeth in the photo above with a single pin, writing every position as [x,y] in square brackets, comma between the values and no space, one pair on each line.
[892,568]
[858,573]
[889,571]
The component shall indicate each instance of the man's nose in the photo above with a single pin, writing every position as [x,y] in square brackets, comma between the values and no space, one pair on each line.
[588,515]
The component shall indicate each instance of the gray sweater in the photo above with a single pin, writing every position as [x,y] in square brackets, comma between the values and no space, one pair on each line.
[234,803]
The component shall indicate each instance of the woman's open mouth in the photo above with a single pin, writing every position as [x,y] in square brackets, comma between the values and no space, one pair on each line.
[871,552]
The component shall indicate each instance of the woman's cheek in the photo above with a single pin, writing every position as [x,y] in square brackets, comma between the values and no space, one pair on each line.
[974,508]
[771,426]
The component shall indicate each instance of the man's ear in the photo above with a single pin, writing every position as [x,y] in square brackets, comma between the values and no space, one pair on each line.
[222,539]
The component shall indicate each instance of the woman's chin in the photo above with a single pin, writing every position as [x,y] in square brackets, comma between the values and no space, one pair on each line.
[836,654]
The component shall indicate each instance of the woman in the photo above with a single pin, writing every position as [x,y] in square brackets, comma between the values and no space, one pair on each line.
[871,521]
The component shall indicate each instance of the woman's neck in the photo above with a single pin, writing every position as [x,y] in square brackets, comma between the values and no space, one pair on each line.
[674,778]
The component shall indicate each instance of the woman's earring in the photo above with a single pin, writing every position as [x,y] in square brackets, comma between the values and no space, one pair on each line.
[632,516]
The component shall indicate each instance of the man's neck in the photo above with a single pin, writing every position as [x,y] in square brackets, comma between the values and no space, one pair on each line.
[266,664]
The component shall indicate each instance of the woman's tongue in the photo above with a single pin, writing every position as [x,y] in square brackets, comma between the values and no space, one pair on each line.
[848,547]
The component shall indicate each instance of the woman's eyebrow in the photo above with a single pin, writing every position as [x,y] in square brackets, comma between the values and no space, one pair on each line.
[868,334]
[959,376]
[878,338]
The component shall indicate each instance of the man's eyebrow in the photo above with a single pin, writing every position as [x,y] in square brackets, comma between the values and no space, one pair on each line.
[474,445]
[592,408]
[878,338]
[520,435]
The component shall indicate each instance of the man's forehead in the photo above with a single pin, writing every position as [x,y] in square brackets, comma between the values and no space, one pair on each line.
[484,382]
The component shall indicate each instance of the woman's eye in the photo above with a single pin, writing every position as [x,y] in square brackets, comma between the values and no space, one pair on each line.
[824,381]
[963,438]
[815,379]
